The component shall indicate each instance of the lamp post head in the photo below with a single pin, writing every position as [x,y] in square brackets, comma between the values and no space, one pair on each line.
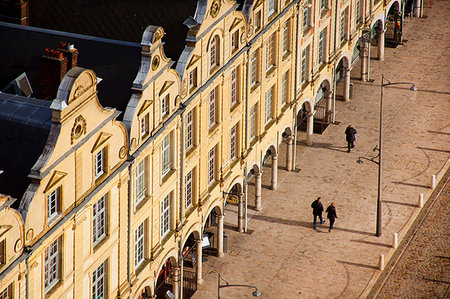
[413,88]
[359,161]
[256,293]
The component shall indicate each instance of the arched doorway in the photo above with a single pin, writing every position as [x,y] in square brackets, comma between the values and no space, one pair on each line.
[234,206]
[322,107]
[305,122]
[343,79]
[288,139]
[254,177]
[377,40]
[394,26]
[167,283]
[192,259]
[271,166]
[213,233]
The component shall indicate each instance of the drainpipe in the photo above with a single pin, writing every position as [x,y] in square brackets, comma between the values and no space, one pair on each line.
[27,279]
[130,193]
[295,91]
[180,260]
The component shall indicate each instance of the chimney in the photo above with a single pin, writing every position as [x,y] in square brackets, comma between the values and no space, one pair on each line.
[52,71]
[14,11]
[70,52]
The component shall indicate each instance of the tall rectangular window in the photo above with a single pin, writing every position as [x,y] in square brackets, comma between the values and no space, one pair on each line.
[254,68]
[51,265]
[321,46]
[144,125]
[99,220]
[139,245]
[284,88]
[98,282]
[235,41]
[305,18]
[193,78]
[140,182]
[253,122]
[165,105]
[213,52]
[342,27]
[270,55]
[190,129]
[358,11]
[165,152]
[53,204]
[323,4]
[269,99]
[2,253]
[211,166]
[272,7]
[286,37]
[99,160]
[257,21]
[233,143]
[165,216]
[189,184]
[233,100]
[304,64]
[212,107]
[7,293]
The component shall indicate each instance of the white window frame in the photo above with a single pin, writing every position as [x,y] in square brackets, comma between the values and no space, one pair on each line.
[253,122]
[342,27]
[165,105]
[165,215]
[270,52]
[99,220]
[53,204]
[51,265]
[211,165]
[268,105]
[254,68]
[358,11]
[99,282]
[213,53]
[165,155]
[139,245]
[304,64]
[321,47]
[323,5]
[284,88]
[189,188]
[212,107]
[193,78]
[7,293]
[235,41]
[144,124]
[272,7]
[233,142]
[99,163]
[234,91]
[189,142]
[258,20]
[305,18]
[140,181]
[286,38]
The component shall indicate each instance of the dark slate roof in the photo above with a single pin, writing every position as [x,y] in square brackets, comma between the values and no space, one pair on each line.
[24,128]
[116,62]
[117,19]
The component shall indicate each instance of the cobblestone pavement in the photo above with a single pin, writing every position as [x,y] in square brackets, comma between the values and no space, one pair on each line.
[281,254]
[423,270]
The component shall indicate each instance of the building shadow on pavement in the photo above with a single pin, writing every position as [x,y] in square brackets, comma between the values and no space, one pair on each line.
[411,184]
[329,146]
[373,243]
[358,265]
[401,203]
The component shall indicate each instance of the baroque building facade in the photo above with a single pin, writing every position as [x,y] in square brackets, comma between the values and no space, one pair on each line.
[126,207]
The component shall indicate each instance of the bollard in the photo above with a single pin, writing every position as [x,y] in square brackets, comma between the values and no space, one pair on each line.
[421,200]
[395,240]
[381,262]
[433,181]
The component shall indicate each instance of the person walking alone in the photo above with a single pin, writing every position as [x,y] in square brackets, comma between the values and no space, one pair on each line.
[317,211]
[331,214]
[350,133]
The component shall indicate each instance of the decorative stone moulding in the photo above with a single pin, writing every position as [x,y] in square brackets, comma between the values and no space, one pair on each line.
[155,63]
[215,8]
[18,245]
[30,234]
[122,152]
[78,129]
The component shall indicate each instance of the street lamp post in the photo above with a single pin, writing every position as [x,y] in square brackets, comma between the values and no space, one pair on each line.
[256,292]
[379,210]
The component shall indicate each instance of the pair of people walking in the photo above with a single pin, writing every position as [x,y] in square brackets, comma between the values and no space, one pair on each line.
[317,212]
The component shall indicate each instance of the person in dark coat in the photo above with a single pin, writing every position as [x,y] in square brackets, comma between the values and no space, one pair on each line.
[350,134]
[331,214]
[317,211]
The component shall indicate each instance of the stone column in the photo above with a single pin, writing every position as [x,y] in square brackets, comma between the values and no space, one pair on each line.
[309,129]
[381,44]
[258,191]
[417,8]
[220,236]
[274,172]
[329,97]
[289,153]
[241,213]
[347,84]
[176,282]
[199,261]
[364,61]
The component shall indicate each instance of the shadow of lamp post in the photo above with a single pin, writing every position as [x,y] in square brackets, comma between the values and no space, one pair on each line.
[379,147]
[256,292]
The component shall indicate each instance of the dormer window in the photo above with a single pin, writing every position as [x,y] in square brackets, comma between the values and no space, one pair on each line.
[235,41]
[144,125]
[165,105]
[99,161]
[214,52]
[54,204]
[272,7]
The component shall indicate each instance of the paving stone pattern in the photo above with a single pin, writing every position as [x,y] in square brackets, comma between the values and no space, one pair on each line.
[283,255]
